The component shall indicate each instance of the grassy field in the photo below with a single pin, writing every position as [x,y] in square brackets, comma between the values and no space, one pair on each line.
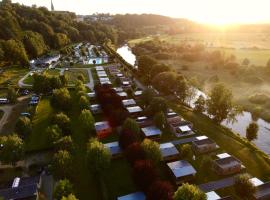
[11,75]
[38,139]
[72,75]
[53,72]
[28,80]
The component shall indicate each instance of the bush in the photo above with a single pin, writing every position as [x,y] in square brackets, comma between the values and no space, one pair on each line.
[132,126]
[152,150]
[63,122]
[186,151]
[23,126]
[243,187]
[189,192]
[61,99]
[62,164]
[62,189]
[259,98]
[135,152]
[53,133]
[144,173]
[127,138]
[64,143]
[160,190]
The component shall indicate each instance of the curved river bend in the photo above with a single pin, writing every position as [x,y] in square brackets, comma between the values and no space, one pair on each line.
[242,121]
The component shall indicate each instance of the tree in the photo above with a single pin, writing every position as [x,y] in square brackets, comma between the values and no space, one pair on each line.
[147,96]
[87,121]
[160,190]
[244,188]
[23,126]
[186,151]
[145,64]
[15,51]
[220,104]
[69,197]
[65,143]
[53,133]
[62,164]
[60,40]
[63,122]
[127,138]
[246,62]
[62,189]
[206,163]
[98,157]
[81,78]
[84,102]
[152,150]
[12,95]
[131,125]
[135,152]
[61,99]
[182,88]
[160,120]
[189,192]
[144,173]
[11,149]
[55,82]
[252,131]
[200,104]
[157,105]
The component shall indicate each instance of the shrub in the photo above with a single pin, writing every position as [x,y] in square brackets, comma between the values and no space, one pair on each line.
[189,192]
[127,138]
[135,152]
[144,173]
[23,126]
[186,151]
[62,189]
[131,125]
[63,122]
[152,150]
[160,190]
[62,164]
[53,133]
[243,187]
[61,99]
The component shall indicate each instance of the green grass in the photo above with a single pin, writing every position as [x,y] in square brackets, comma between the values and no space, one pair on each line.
[11,75]
[28,80]
[72,75]
[251,157]
[42,119]
[53,72]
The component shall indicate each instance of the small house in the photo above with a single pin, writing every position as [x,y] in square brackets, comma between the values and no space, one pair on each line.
[91,95]
[138,94]
[123,95]
[181,128]
[169,152]
[128,102]
[4,101]
[103,129]
[151,132]
[181,171]
[95,109]
[134,110]
[99,68]
[133,196]
[204,146]
[262,192]
[144,121]
[226,166]
[118,89]
[114,149]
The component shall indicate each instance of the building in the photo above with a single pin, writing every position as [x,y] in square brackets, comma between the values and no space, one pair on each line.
[95,109]
[151,132]
[226,166]
[204,146]
[262,192]
[169,152]
[114,149]
[103,129]
[22,189]
[102,74]
[214,196]
[173,118]
[128,102]
[144,121]
[181,128]
[4,101]
[91,95]
[123,95]
[138,94]
[181,171]
[134,111]
[133,196]
[99,68]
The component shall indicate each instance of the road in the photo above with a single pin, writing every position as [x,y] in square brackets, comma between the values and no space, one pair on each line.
[215,185]
[91,84]
[21,83]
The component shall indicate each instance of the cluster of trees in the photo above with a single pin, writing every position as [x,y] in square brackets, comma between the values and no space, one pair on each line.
[31,31]
[111,104]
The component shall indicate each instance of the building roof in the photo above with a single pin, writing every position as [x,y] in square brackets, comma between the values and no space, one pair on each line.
[91,94]
[263,192]
[118,89]
[25,188]
[134,109]
[129,102]
[138,92]
[122,94]
[204,142]
[114,148]
[256,182]
[212,196]
[223,155]
[133,196]
[104,79]
[184,128]
[227,162]
[151,131]
[201,137]
[168,149]
[95,107]
[181,168]
[99,68]
[102,125]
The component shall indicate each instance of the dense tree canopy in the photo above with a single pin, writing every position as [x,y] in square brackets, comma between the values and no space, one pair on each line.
[189,192]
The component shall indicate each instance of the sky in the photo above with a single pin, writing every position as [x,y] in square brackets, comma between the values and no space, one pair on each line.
[217,12]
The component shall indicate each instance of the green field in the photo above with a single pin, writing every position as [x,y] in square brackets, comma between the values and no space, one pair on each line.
[11,75]
[72,75]
[53,72]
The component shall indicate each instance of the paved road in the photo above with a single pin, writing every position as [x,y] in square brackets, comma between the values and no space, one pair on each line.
[215,185]
[21,81]
[91,84]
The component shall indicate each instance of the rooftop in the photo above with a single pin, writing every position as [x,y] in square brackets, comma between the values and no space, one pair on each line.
[212,196]
[151,131]
[204,142]
[122,94]
[99,68]
[263,191]
[102,125]
[168,149]
[181,168]
[129,102]
[184,128]
[134,109]
[113,147]
[227,162]
[133,196]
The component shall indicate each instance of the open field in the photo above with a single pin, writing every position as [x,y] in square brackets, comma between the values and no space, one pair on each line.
[72,75]
[11,75]
[254,46]
[53,72]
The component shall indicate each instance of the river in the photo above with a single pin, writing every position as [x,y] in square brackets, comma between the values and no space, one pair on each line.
[242,121]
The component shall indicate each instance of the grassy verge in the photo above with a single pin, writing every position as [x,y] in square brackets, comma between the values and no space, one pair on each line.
[11,75]
[38,138]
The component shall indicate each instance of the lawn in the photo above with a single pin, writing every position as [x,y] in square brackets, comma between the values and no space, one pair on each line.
[53,72]
[28,80]
[11,75]
[42,119]
[72,75]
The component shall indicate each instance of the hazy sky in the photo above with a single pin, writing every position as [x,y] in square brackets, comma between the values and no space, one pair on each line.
[209,11]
